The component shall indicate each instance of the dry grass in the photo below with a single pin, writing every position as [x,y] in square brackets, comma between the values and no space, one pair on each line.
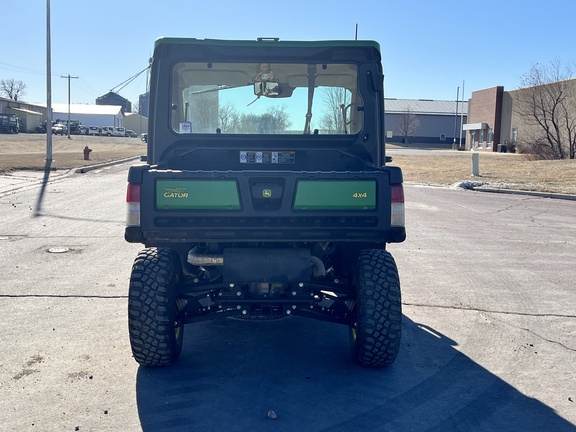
[28,151]
[510,171]
[507,171]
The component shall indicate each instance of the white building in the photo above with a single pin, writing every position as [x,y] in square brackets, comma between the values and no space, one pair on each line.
[90,115]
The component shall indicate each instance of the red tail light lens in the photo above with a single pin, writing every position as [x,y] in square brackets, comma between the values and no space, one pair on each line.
[133,205]
[397,212]
[133,193]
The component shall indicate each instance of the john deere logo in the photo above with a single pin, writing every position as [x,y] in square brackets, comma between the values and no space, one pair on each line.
[266,193]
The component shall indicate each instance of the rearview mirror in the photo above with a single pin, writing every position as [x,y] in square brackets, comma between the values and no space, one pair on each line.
[267,88]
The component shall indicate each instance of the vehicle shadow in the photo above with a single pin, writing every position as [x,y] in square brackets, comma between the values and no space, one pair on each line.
[232,373]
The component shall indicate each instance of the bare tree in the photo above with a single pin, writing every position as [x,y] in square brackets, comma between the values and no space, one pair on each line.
[228,118]
[277,118]
[12,89]
[408,124]
[546,103]
[336,101]
[274,120]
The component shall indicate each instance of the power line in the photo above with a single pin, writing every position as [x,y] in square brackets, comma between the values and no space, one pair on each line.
[128,81]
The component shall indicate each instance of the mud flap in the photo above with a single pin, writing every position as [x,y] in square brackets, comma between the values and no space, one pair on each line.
[267,265]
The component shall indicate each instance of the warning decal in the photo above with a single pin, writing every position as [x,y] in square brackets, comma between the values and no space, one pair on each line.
[267,157]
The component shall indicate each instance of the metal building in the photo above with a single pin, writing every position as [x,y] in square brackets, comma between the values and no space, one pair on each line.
[434,123]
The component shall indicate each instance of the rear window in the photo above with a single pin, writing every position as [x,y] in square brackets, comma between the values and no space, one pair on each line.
[264,98]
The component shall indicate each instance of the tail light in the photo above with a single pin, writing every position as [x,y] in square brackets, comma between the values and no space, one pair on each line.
[397,216]
[133,205]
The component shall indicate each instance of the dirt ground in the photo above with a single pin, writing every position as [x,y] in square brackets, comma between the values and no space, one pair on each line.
[506,171]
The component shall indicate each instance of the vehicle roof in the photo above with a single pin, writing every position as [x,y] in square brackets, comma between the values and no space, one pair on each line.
[272,41]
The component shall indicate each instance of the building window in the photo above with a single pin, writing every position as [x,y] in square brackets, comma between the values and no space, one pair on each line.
[489,138]
[514,135]
[480,138]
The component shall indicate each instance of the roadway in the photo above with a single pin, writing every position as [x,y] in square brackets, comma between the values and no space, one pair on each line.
[489,330]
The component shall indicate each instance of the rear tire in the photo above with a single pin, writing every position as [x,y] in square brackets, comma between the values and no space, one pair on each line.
[375,335]
[155,333]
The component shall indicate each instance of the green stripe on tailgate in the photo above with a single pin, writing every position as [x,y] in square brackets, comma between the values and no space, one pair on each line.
[197,195]
[335,195]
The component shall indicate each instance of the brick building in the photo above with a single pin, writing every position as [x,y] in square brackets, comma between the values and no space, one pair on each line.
[484,127]
[495,119]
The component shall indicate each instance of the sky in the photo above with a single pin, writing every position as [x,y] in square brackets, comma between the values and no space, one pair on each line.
[431,49]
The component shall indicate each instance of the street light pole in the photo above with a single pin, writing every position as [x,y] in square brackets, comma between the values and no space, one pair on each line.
[462,117]
[456,119]
[48,89]
[69,78]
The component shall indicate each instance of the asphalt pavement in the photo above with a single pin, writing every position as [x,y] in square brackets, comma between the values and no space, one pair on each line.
[488,327]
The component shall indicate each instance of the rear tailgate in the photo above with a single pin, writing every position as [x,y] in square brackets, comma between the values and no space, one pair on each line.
[202,206]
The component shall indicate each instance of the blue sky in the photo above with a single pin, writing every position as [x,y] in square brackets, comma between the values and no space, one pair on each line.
[429,47]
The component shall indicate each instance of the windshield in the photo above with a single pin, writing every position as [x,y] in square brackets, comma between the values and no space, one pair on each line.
[264,98]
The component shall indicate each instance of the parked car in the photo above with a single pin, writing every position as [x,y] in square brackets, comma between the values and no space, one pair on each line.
[144,137]
[59,129]
[121,130]
[94,130]
[74,125]
[112,131]
[83,130]
[130,133]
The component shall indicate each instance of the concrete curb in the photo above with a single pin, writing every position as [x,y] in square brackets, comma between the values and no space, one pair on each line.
[85,169]
[479,188]
[529,193]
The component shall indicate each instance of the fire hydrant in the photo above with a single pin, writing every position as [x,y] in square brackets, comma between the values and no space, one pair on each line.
[87,153]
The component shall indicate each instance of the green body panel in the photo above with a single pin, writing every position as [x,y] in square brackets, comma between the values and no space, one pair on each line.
[335,195]
[197,195]
[273,42]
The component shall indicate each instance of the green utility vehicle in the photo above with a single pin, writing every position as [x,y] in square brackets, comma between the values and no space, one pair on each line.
[265,194]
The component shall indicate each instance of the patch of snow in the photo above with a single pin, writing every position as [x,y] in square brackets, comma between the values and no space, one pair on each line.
[467,184]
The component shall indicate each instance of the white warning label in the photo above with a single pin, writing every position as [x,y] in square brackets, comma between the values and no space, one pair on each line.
[267,157]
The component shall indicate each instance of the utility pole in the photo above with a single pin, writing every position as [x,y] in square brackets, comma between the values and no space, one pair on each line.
[68,77]
[48,89]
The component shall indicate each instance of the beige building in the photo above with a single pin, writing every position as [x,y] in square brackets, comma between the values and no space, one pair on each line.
[136,122]
[496,121]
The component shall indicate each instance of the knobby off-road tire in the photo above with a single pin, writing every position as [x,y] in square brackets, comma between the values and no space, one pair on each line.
[155,335]
[375,336]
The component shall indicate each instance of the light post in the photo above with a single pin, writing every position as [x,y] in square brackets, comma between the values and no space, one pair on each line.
[461,118]
[48,89]
[456,118]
